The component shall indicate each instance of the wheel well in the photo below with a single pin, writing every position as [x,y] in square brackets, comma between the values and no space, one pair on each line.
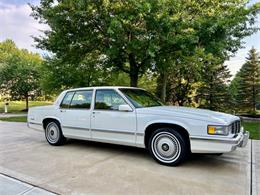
[47,120]
[151,128]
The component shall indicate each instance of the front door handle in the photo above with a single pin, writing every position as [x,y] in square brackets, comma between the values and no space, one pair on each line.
[96,112]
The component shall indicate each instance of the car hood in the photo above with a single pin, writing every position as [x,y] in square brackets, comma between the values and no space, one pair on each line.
[192,113]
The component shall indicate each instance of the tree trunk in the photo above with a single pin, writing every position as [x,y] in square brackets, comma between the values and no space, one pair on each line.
[164,85]
[133,80]
[27,101]
[181,103]
[134,71]
[254,99]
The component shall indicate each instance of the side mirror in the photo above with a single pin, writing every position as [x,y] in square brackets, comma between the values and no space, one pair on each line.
[125,108]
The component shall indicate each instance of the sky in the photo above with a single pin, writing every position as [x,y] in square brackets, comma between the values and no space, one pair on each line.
[17,24]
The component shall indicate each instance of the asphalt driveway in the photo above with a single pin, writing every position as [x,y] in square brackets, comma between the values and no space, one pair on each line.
[81,167]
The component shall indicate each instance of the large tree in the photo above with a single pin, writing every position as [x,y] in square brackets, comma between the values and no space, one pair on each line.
[19,71]
[248,83]
[218,27]
[182,79]
[119,32]
[213,90]
[58,75]
[135,36]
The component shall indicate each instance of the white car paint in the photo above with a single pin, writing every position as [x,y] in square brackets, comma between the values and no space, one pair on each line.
[129,128]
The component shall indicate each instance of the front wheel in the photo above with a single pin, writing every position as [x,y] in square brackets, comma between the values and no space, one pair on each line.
[168,147]
[54,134]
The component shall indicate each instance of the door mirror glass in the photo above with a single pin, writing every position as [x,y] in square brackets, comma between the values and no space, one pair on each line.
[125,108]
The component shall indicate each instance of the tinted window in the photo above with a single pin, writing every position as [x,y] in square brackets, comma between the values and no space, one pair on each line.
[66,100]
[141,98]
[81,99]
[107,99]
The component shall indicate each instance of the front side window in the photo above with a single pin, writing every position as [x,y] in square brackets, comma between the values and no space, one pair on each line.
[81,99]
[108,99]
[66,100]
[140,98]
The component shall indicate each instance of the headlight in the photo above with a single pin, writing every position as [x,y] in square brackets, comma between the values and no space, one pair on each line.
[218,130]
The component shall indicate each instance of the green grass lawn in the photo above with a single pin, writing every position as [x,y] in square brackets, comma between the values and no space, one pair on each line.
[253,128]
[18,106]
[15,119]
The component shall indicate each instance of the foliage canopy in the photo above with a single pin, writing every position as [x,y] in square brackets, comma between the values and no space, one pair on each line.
[19,75]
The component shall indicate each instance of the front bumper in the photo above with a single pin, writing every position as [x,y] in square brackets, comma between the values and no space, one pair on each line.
[244,139]
[218,145]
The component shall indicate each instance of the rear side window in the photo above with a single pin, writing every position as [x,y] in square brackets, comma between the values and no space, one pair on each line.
[81,99]
[67,99]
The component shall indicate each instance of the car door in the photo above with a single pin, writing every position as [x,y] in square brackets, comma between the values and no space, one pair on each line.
[108,123]
[75,114]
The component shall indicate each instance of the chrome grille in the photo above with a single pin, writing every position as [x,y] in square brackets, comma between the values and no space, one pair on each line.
[235,127]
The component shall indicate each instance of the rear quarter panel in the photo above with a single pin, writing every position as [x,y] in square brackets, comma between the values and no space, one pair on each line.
[36,115]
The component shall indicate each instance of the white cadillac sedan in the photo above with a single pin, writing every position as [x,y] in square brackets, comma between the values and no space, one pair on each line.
[134,117]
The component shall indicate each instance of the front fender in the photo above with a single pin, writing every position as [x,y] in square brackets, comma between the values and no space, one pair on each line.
[173,122]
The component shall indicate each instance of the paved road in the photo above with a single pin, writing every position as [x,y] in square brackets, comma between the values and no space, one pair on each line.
[81,167]
[11,186]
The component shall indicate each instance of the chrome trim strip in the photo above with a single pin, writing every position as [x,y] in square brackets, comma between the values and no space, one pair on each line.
[101,130]
[78,128]
[33,123]
[231,141]
[113,131]
[105,131]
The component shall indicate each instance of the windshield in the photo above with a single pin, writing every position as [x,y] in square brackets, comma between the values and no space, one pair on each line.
[140,98]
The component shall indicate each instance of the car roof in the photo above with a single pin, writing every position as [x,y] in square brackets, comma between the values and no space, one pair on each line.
[102,87]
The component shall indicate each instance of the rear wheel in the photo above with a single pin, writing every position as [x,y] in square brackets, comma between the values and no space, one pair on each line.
[54,134]
[168,147]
